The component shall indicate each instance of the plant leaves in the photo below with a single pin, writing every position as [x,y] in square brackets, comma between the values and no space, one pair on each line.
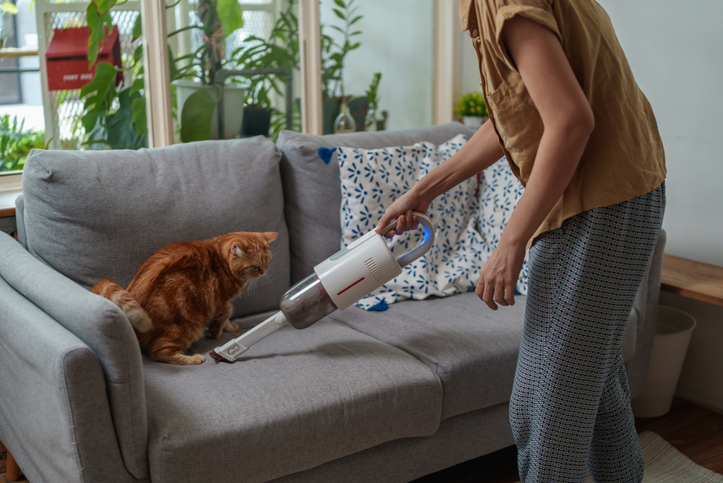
[99,94]
[121,133]
[230,14]
[139,115]
[196,117]
[340,3]
[339,13]
[137,85]
[137,28]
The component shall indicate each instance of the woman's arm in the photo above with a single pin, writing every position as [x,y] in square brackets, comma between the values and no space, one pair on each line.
[568,121]
[480,152]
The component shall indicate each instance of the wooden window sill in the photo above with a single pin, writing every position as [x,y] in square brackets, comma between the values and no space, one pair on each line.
[7,202]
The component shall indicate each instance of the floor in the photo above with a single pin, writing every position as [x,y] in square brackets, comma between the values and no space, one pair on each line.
[695,431]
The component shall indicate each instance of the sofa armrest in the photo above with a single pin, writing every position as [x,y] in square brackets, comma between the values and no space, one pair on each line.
[100,325]
[646,304]
[54,412]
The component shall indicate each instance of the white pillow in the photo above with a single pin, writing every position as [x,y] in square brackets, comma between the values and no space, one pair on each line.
[501,191]
[372,179]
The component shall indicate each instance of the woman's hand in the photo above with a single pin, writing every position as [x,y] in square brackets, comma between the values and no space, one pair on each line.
[402,209]
[499,275]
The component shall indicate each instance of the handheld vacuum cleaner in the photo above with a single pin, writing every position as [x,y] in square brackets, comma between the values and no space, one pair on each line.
[337,282]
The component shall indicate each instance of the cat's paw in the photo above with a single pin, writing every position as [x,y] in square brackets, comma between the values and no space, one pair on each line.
[197,359]
[230,327]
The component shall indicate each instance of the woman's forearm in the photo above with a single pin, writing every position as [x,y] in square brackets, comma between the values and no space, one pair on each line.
[480,152]
[558,155]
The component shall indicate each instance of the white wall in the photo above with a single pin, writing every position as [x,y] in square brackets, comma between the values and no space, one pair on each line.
[397,40]
[674,49]
[675,52]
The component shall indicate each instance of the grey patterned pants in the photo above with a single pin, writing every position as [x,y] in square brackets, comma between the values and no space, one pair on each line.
[570,407]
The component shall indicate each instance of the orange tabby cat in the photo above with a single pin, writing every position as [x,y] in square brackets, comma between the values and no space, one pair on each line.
[185,287]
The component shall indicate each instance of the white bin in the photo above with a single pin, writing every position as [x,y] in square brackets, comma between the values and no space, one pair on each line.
[672,336]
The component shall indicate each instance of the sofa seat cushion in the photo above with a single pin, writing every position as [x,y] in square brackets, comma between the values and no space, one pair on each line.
[471,348]
[101,214]
[296,400]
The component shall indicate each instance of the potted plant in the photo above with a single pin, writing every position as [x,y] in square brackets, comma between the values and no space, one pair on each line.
[124,127]
[279,50]
[196,92]
[375,118]
[471,106]
[334,54]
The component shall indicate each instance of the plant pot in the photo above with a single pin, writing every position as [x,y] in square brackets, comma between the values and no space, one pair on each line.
[256,121]
[473,122]
[233,105]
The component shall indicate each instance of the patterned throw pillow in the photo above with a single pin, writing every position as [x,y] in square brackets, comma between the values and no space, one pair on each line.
[372,179]
[501,191]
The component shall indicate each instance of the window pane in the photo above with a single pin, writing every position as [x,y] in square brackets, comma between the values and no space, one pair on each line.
[108,113]
[213,53]
[363,38]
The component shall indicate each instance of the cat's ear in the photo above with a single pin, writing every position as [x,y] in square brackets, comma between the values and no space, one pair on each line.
[236,250]
[270,236]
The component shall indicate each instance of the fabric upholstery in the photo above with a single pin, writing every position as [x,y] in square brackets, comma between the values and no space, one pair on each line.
[458,439]
[471,348]
[312,193]
[19,220]
[102,327]
[372,179]
[295,400]
[52,385]
[97,214]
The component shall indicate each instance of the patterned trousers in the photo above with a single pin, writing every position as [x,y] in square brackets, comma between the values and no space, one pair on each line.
[570,407]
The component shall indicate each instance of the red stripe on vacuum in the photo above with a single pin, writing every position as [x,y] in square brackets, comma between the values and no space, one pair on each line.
[350,286]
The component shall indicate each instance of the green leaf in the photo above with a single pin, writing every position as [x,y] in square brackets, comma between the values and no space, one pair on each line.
[139,115]
[89,120]
[196,117]
[137,28]
[340,3]
[137,85]
[121,133]
[339,14]
[173,70]
[97,20]
[356,19]
[230,14]
[104,6]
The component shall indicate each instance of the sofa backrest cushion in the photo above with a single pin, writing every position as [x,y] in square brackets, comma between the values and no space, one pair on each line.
[100,214]
[312,190]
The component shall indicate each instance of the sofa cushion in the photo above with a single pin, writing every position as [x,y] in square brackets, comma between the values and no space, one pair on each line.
[471,348]
[312,192]
[372,179]
[97,214]
[295,400]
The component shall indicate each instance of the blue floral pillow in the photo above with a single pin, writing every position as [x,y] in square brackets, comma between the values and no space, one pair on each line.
[372,179]
[501,191]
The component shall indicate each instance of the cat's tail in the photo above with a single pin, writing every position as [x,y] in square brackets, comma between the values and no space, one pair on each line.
[137,316]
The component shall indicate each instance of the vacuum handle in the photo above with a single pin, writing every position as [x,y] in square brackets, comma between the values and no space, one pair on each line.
[420,250]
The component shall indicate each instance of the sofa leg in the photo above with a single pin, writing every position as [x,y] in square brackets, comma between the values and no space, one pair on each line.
[12,471]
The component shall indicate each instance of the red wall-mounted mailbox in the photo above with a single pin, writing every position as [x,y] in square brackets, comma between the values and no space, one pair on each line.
[67,57]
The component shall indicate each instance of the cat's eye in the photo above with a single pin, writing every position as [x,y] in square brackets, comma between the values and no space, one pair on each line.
[256,267]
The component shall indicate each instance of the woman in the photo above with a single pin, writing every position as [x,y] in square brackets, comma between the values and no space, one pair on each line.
[581,136]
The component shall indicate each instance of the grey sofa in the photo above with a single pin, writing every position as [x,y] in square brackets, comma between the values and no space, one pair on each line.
[358,397]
